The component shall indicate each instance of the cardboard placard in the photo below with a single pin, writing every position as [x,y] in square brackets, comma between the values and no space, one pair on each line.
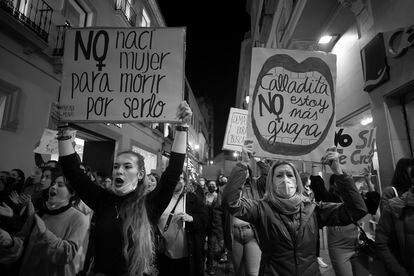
[49,144]
[236,130]
[122,74]
[356,147]
[292,109]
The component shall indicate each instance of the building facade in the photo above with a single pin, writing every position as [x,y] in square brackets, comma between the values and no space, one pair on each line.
[358,28]
[31,51]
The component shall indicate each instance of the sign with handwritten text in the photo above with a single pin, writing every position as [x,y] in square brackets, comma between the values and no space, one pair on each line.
[49,144]
[236,129]
[122,74]
[356,147]
[292,110]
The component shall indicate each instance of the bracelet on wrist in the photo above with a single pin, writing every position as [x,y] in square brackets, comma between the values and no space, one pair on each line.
[181,128]
[63,137]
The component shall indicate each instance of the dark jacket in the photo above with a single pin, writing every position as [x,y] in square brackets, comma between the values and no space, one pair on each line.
[395,235]
[288,243]
[109,257]
[195,232]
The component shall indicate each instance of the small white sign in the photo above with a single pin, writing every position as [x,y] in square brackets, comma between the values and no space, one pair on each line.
[49,144]
[236,130]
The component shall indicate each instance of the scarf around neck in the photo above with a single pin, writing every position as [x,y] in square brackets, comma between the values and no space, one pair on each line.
[288,206]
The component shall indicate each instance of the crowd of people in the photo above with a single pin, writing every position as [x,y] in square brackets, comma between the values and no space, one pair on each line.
[64,219]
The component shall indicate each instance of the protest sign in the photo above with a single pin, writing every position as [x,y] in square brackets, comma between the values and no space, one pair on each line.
[292,110]
[236,130]
[49,144]
[122,74]
[356,147]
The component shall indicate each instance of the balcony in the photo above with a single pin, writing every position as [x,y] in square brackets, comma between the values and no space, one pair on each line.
[125,7]
[60,40]
[35,15]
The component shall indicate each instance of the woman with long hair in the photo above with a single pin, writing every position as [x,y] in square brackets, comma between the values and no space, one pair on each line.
[126,214]
[394,233]
[286,221]
[50,239]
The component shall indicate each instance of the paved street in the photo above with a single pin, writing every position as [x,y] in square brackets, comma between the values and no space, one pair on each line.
[226,269]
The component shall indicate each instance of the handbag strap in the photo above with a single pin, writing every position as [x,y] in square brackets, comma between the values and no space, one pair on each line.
[395,191]
[167,224]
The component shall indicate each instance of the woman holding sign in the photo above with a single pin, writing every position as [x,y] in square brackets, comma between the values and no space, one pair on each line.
[126,214]
[286,221]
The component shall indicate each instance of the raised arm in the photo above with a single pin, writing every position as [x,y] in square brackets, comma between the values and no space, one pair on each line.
[243,208]
[158,199]
[62,250]
[353,207]
[88,191]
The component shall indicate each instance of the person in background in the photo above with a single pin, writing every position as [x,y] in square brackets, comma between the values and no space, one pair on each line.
[317,183]
[126,214]
[32,183]
[183,225]
[50,240]
[240,235]
[19,179]
[400,181]
[4,175]
[222,180]
[107,182]
[394,233]
[286,220]
[203,184]
[211,201]
[307,191]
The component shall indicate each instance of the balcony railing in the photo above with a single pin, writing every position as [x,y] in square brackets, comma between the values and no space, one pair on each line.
[127,10]
[60,40]
[35,14]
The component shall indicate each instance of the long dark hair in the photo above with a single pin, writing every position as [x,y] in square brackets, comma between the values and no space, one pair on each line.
[401,180]
[138,247]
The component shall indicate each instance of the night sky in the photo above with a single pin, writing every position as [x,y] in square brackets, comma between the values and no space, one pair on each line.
[215,30]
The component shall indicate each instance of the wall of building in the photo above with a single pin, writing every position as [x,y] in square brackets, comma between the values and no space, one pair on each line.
[392,141]
[34,73]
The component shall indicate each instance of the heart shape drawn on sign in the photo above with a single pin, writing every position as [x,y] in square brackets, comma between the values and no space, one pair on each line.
[311,66]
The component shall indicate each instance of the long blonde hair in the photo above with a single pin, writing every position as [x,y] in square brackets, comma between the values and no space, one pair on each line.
[138,245]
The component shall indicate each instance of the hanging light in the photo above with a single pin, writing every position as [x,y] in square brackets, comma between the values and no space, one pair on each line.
[325,39]
[366,121]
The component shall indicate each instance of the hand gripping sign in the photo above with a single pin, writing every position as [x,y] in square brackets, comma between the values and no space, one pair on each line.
[122,74]
[292,112]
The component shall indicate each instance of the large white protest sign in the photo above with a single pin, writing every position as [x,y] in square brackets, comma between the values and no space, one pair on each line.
[122,74]
[236,129]
[356,147]
[292,110]
[48,143]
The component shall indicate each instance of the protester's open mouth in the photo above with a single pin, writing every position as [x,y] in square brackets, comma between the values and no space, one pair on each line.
[52,193]
[118,182]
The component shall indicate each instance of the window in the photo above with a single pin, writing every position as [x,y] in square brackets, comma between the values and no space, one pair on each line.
[145,20]
[126,7]
[9,105]
[76,13]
